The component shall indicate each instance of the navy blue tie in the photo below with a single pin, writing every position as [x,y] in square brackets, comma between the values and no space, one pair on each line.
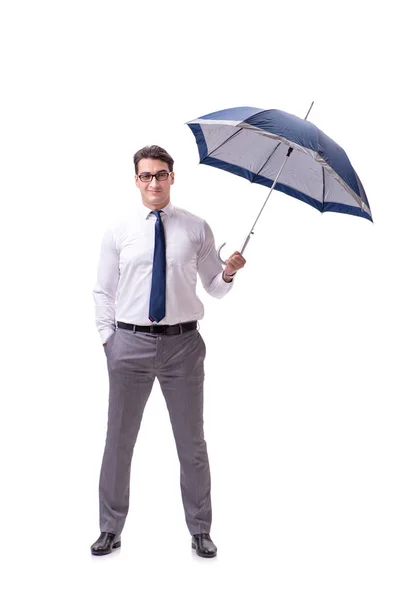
[157,295]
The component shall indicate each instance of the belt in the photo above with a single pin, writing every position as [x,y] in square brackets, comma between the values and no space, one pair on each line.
[161,329]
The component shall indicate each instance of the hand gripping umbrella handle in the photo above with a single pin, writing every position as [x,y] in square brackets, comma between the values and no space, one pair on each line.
[241,251]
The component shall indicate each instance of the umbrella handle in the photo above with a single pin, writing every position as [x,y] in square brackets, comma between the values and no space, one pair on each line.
[241,251]
[219,253]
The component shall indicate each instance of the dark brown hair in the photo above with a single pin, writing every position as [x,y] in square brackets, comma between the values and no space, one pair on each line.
[155,152]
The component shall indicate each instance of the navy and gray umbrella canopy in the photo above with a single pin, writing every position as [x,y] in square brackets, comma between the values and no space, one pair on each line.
[253,143]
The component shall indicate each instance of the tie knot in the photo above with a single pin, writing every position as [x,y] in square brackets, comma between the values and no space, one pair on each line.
[157,213]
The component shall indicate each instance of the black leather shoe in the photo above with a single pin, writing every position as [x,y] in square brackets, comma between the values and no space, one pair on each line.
[204,546]
[105,544]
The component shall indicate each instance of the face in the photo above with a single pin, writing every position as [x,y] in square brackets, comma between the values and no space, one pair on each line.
[155,194]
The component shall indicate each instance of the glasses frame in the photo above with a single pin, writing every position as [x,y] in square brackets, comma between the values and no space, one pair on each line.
[168,173]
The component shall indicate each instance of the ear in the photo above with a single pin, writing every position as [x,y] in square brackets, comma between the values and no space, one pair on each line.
[172,176]
[137,181]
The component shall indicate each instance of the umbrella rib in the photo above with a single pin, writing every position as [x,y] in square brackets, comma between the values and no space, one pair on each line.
[227,140]
[273,151]
[323,187]
[236,133]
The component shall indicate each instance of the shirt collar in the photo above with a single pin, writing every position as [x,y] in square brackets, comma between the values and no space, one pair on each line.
[145,211]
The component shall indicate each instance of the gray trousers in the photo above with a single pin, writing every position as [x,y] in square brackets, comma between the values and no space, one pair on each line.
[134,360]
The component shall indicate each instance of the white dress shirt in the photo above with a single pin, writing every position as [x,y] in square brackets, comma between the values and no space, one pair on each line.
[122,290]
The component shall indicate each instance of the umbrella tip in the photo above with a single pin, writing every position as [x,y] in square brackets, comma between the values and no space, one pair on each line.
[309,110]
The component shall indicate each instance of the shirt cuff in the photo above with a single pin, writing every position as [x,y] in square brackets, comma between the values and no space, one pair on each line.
[106,334]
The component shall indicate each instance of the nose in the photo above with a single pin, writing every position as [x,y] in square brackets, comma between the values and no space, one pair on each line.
[154,184]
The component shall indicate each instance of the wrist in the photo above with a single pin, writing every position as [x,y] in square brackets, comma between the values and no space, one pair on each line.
[228,277]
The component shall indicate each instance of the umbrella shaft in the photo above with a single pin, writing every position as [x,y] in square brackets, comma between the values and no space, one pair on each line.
[270,192]
[246,242]
[289,152]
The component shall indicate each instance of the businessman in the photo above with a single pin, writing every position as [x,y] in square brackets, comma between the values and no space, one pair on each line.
[147,314]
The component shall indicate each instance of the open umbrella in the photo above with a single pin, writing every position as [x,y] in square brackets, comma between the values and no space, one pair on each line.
[256,144]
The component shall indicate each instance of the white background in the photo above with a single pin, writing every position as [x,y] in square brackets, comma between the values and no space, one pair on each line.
[302,390]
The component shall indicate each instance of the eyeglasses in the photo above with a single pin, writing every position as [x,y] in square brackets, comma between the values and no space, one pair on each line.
[160,176]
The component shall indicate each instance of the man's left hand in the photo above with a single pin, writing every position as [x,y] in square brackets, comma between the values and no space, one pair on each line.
[235,262]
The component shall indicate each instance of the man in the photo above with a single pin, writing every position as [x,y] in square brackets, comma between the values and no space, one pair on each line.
[146,313]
